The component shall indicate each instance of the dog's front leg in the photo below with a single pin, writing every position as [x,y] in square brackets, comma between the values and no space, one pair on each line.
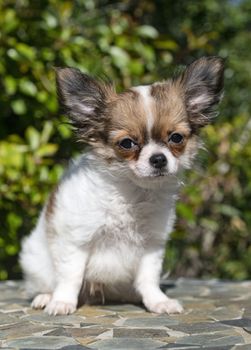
[147,284]
[69,269]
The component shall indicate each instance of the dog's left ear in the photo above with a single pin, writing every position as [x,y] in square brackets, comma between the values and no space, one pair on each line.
[84,100]
[202,84]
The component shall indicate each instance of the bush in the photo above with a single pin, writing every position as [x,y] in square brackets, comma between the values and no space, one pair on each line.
[131,43]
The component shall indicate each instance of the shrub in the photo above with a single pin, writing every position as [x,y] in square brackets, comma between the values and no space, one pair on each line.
[131,43]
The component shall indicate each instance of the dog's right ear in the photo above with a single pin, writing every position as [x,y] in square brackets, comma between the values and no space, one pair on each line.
[84,100]
[202,84]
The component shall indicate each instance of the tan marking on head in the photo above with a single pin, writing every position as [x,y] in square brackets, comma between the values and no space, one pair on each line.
[145,113]
[128,114]
[169,109]
[127,119]
[170,116]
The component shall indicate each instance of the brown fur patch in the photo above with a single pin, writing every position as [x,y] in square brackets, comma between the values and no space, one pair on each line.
[169,110]
[50,206]
[170,116]
[49,212]
[128,119]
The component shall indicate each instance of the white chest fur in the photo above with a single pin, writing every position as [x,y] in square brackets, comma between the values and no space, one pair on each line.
[114,219]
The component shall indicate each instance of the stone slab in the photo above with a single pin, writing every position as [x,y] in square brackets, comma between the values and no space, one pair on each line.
[217,316]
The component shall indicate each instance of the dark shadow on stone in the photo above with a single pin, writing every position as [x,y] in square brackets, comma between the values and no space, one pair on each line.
[241,322]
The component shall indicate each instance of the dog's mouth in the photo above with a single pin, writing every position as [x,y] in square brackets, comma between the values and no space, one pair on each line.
[155,176]
[152,179]
[159,173]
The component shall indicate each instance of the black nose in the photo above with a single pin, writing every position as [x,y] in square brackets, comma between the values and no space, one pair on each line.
[158,160]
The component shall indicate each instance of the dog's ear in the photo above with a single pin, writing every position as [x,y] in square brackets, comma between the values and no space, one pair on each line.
[202,85]
[84,100]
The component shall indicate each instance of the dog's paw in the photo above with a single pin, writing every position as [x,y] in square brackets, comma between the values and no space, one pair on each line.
[169,306]
[41,301]
[60,308]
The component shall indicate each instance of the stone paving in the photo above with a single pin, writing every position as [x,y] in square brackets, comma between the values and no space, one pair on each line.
[217,316]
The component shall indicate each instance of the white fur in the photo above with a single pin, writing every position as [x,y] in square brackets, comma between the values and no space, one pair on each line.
[81,105]
[144,91]
[142,166]
[200,100]
[85,109]
[104,229]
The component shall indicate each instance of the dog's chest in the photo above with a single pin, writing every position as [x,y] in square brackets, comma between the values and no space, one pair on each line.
[132,224]
[136,217]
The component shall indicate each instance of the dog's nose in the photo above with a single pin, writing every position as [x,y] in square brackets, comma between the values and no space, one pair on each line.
[158,160]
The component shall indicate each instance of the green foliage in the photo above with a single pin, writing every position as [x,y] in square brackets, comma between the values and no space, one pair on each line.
[212,236]
[130,43]
[26,175]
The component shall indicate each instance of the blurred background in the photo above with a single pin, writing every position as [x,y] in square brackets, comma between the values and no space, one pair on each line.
[131,42]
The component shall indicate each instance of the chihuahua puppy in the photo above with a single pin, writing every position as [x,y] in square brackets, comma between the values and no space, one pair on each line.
[103,231]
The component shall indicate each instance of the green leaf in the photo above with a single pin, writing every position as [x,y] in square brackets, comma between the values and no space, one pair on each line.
[166,44]
[186,212]
[147,31]
[28,87]
[120,57]
[64,130]
[19,106]
[33,138]
[51,20]
[11,155]
[10,85]
[227,210]
[46,132]
[26,51]
[48,149]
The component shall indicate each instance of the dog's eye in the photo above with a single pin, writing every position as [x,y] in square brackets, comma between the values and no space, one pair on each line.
[127,143]
[176,138]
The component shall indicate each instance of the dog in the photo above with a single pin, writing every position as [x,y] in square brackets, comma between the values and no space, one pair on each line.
[102,233]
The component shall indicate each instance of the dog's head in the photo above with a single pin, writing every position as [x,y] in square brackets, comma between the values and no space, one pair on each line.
[151,131]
